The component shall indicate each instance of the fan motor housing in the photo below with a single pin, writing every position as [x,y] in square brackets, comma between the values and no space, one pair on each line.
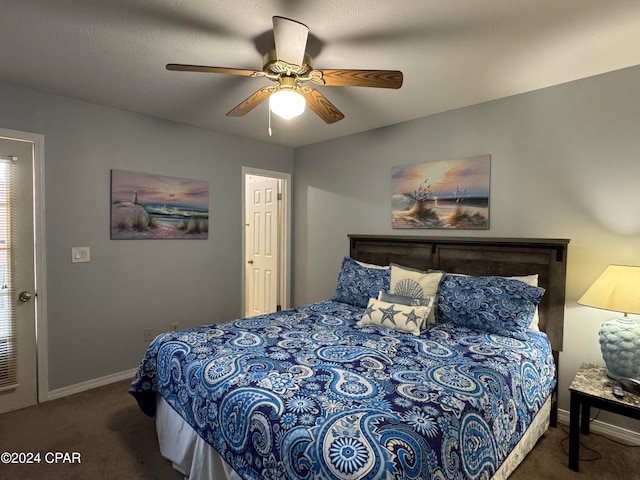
[276,67]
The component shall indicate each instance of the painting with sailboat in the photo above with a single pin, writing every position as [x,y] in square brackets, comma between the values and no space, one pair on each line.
[150,206]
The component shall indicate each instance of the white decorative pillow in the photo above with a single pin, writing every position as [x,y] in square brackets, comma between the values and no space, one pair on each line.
[372,265]
[402,300]
[409,282]
[405,318]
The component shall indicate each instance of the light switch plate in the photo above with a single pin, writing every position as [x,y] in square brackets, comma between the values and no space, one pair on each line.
[80,254]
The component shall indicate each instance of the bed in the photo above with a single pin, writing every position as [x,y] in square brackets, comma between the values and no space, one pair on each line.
[453,384]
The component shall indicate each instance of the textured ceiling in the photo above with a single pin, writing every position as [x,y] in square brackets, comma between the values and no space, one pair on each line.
[453,53]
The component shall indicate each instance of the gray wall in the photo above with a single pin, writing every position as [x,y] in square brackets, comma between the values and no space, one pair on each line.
[97,311]
[565,163]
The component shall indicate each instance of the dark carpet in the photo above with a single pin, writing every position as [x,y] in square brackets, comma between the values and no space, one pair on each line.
[113,439]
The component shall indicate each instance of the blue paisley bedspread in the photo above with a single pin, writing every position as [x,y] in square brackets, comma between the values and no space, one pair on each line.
[306,394]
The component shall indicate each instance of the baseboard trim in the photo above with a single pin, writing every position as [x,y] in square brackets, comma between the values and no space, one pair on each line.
[623,435]
[89,384]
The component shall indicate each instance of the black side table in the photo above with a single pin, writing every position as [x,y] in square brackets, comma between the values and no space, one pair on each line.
[592,388]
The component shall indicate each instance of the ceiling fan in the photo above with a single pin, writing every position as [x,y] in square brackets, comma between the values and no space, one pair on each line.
[290,68]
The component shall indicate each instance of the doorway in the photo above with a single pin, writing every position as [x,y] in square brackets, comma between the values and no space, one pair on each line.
[23,379]
[266,241]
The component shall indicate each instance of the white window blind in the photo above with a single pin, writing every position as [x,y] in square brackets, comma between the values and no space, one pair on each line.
[8,340]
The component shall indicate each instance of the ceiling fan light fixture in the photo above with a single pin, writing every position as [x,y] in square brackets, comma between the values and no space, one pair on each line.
[287,103]
[290,67]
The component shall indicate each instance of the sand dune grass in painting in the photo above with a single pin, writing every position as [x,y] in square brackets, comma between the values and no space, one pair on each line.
[147,206]
[448,194]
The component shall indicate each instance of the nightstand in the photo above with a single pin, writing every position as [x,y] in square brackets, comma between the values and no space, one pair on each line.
[592,388]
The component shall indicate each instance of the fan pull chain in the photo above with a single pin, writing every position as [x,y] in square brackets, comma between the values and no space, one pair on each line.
[269,129]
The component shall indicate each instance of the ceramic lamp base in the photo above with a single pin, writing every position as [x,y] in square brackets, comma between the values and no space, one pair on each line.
[620,345]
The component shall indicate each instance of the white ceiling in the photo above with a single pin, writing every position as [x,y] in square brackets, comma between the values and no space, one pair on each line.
[453,53]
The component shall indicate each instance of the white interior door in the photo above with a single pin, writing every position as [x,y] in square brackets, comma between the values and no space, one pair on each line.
[17,280]
[262,247]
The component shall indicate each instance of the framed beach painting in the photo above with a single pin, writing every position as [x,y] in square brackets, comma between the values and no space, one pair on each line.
[148,206]
[447,194]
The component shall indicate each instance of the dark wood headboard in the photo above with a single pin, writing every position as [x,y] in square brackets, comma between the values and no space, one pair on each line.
[481,256]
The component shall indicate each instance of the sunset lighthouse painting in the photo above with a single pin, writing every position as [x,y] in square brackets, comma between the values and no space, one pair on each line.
[149,206]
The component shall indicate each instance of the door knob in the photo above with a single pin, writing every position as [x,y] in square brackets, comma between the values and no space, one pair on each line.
[250,262]
[24,297]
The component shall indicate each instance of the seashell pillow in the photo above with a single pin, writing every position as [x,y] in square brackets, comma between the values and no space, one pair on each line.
[410,282]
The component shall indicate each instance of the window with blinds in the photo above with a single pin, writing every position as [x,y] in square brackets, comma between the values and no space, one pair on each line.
[8,344]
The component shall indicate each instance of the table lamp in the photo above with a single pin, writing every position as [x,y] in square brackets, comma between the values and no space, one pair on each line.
[618,289]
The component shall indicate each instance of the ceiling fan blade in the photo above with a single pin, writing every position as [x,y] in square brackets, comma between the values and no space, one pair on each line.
[317,102]
[205,69]
[290,38]
[251,102]
[359,78]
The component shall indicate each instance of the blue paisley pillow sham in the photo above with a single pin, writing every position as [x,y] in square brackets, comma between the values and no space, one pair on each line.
[493,304]
[358,282]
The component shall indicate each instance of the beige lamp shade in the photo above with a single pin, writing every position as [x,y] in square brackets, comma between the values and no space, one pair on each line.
[616,289]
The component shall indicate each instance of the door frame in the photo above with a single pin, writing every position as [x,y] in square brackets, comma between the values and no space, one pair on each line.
[37,142]
[284,268]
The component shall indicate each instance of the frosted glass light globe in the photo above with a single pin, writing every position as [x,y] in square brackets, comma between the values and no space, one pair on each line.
[287,103]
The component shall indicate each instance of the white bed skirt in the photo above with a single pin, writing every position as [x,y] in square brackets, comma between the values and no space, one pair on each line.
[535,431]
[197,460]
[186,450]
